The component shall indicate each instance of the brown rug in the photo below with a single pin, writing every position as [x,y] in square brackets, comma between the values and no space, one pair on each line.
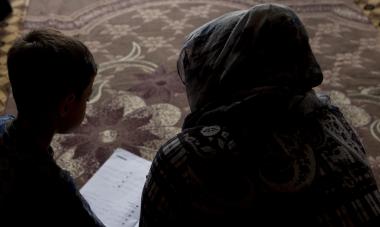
[10,28]
[371,8]
[139,102]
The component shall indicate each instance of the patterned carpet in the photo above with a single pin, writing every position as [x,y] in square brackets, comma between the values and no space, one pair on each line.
[371,8]
[138,101]
[9,30]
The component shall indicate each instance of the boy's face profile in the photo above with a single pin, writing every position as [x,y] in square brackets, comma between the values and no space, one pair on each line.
[73,109]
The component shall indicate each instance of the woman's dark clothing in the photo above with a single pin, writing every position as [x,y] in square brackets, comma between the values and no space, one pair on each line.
[260,148]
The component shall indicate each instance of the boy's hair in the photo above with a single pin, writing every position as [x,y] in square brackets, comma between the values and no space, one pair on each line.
[44,66]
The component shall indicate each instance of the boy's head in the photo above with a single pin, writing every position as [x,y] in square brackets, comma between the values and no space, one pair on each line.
[51,77]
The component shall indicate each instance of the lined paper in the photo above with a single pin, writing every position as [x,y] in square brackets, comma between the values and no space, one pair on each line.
[114,192]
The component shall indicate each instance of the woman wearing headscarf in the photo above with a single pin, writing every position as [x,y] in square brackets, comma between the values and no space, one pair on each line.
[260,147]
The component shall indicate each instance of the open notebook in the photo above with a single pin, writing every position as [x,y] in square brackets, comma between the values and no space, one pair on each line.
[114,192]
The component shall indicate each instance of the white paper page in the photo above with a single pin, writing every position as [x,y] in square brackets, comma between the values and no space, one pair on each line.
[114,192]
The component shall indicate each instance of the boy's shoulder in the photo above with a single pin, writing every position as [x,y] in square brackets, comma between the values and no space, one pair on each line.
[17,162]
[4,120]
[5,164]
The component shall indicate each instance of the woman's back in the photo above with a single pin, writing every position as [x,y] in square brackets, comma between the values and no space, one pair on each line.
[313,173]
[259,148]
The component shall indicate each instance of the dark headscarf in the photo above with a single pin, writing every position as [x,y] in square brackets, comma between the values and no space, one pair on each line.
[263,48]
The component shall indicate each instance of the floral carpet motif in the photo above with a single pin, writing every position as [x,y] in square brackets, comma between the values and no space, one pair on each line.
[138,100]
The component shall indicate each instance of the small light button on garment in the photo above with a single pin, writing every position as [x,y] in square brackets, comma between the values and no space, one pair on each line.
[210,130]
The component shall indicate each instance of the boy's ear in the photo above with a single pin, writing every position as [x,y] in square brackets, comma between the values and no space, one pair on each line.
[67,104]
